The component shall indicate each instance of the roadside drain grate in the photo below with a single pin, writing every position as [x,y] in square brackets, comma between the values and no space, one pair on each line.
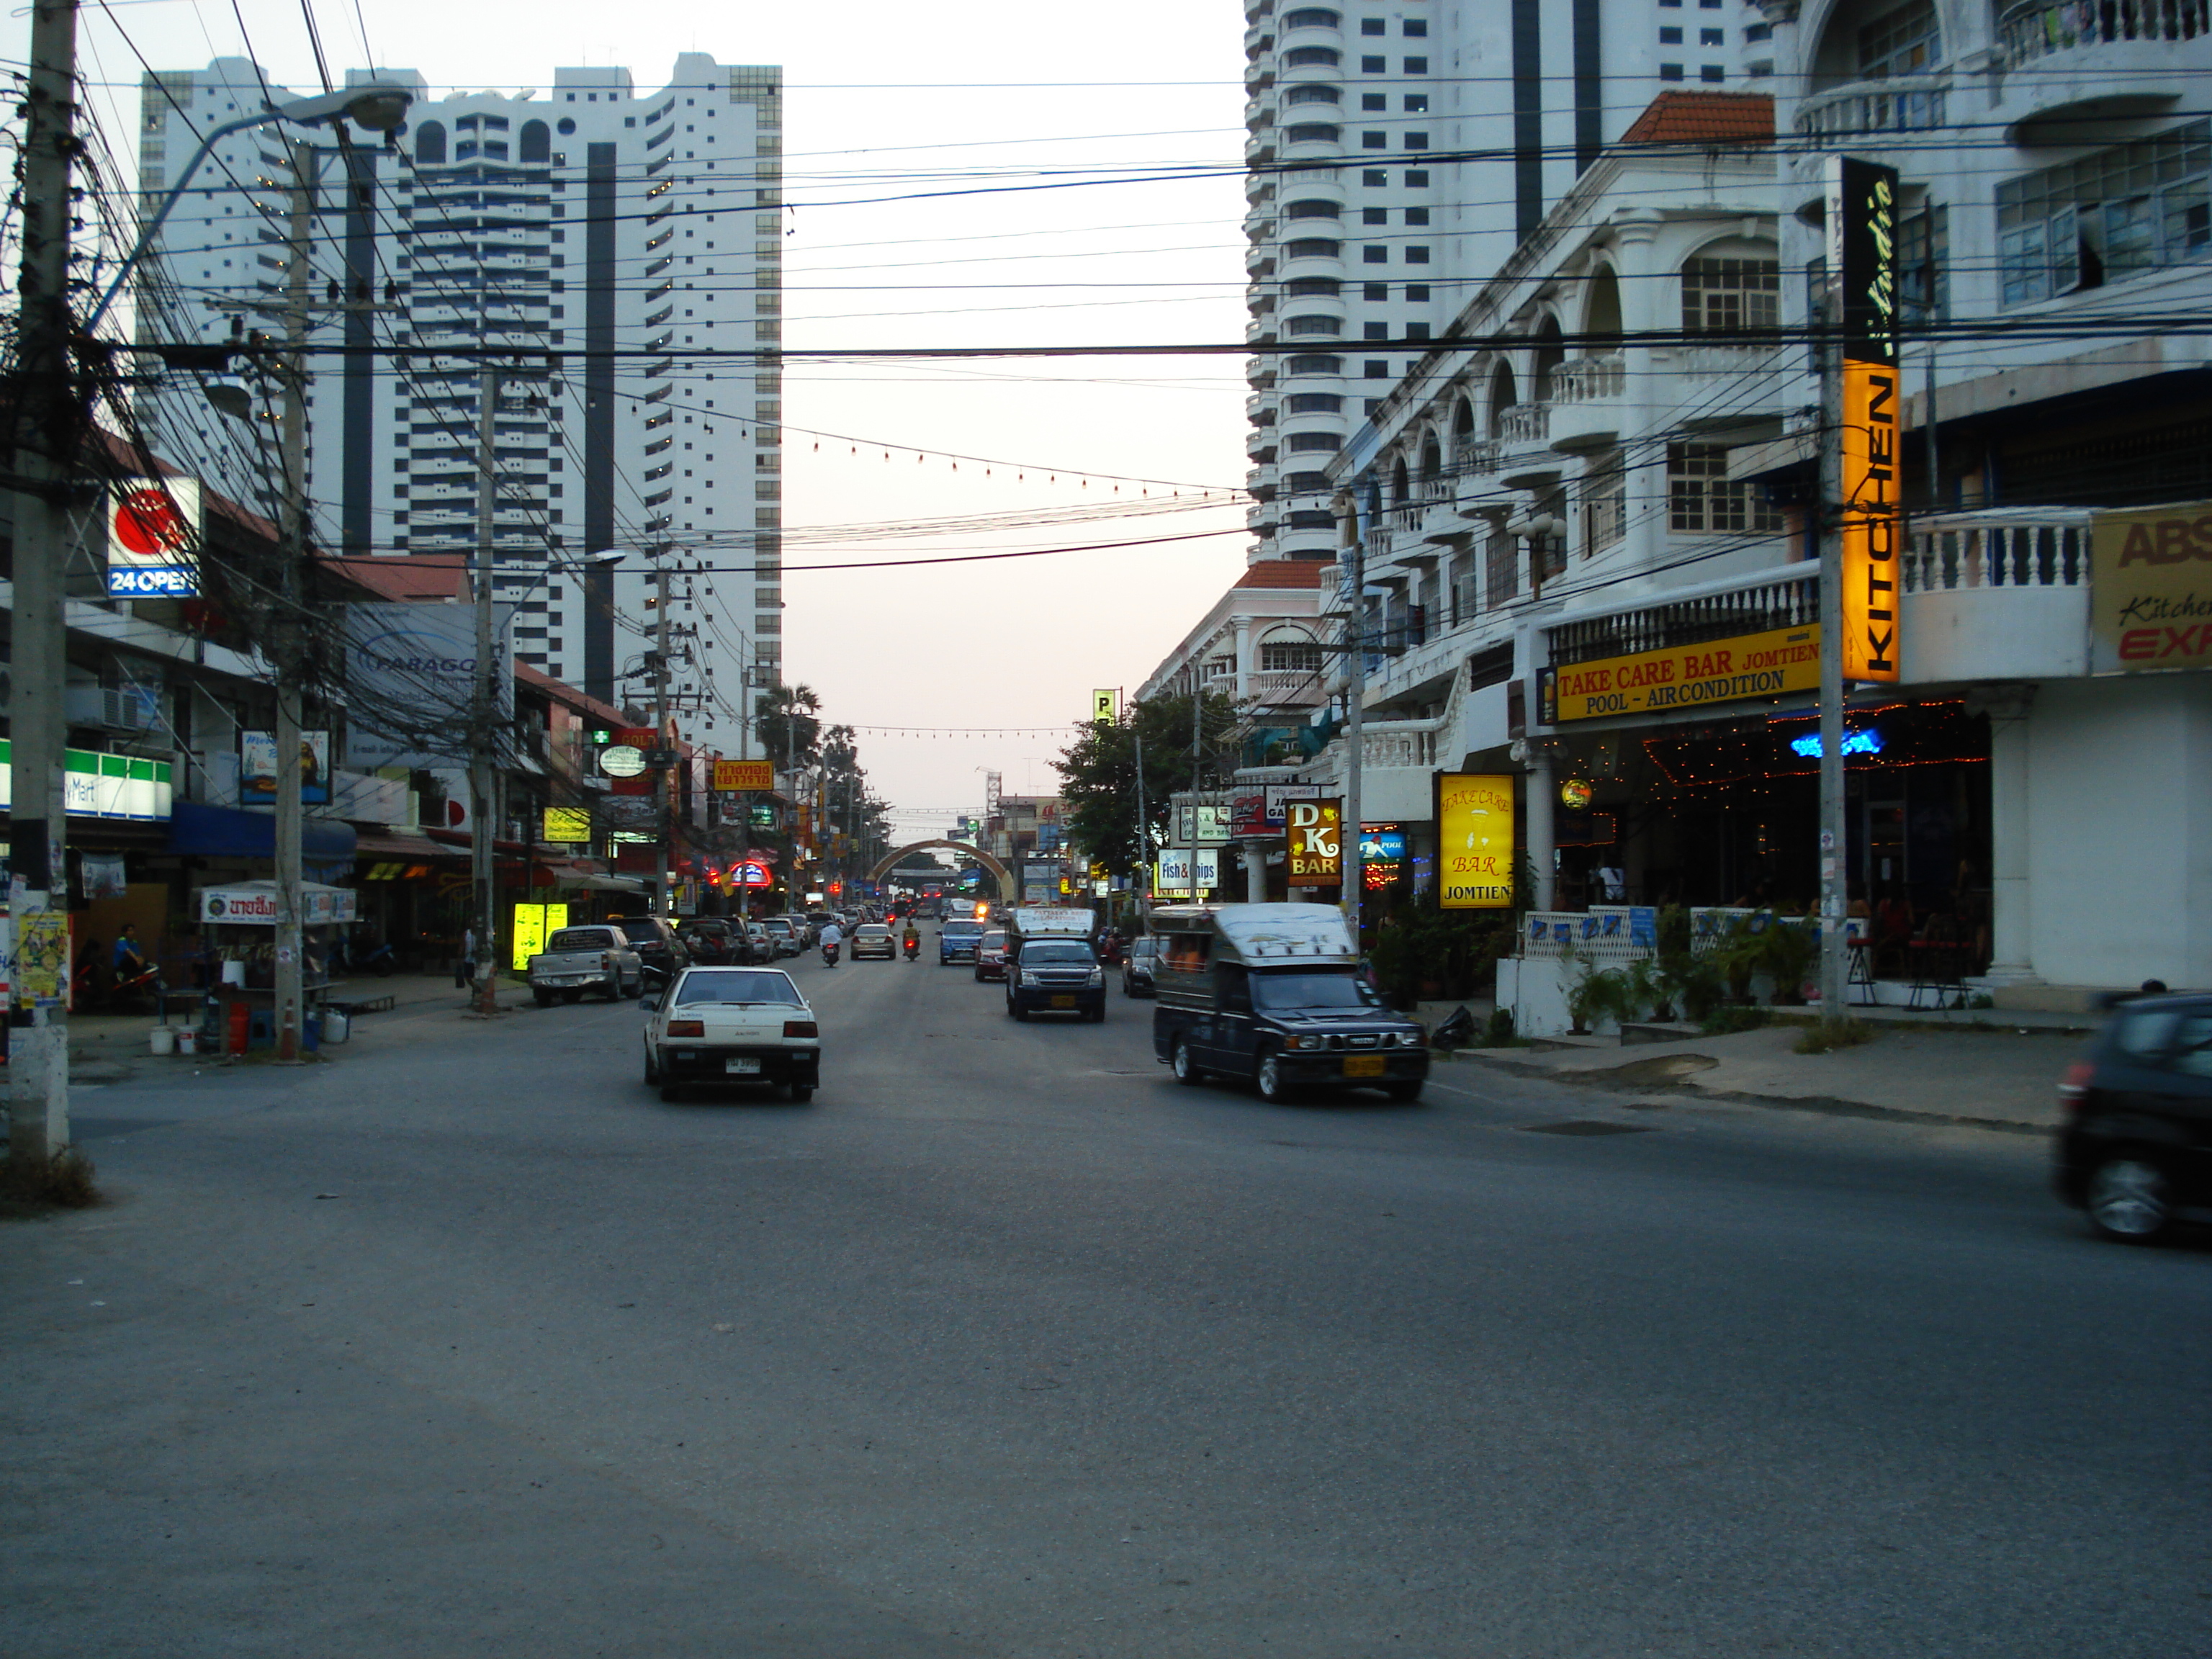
[1584,1126]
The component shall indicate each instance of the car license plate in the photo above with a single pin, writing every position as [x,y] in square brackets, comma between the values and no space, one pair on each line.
[1063,1002]
[1363,1065]
[750,1067]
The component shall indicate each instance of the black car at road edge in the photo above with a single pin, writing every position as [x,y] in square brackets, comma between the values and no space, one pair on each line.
[2135,1148]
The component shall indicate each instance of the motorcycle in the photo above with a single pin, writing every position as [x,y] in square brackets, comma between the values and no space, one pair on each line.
[913,949]
[829,955]
[382,960]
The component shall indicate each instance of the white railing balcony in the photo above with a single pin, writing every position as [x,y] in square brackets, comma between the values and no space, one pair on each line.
[1525,423]
[1411,743]
[1587,378]
[2048,548]
[1706,361]
[1475,489]
[1287,688]
[1908,103]
[2038,28]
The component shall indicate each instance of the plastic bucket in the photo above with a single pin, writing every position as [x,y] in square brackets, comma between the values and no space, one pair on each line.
[336,1026]
[164,1039]
[233,973]
[188,1041]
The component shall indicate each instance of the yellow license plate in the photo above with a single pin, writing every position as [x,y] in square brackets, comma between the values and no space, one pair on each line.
[1063,1002]
[1363,1065]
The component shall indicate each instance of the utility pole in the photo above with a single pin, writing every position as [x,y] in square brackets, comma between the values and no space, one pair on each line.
[285,630]
[663,807]
[1143,827]
[47,426]
[484,717]
[1349,837]
[1834,964]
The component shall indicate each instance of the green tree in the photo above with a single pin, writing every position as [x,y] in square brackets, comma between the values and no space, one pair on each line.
[786,717]
[1098,772]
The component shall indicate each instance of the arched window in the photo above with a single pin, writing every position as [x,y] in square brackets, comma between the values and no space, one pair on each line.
[1432,460]
[1551,352]
[1399,490]
[430,142]
[1503,394]
[1462,423]
[537,142]
[1601,315]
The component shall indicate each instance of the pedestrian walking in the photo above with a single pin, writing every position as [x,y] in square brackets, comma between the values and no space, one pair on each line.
[464,970]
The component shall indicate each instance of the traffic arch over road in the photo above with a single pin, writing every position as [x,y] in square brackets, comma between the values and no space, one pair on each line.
[999,872]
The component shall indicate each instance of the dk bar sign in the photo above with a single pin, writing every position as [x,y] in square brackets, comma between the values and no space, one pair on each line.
[1862,211]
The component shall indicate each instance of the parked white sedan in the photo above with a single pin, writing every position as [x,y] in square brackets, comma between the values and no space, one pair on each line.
[722,1025]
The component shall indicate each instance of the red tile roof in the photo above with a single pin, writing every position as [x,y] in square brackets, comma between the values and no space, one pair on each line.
[561,691]
[1704,118]
[409,576]
[1303,574]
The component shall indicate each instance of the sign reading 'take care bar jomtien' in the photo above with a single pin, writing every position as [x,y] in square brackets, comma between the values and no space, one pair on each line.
[1766,664]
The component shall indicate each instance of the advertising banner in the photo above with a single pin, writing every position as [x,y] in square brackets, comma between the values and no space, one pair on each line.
[1315,832]
[410,678]
[1248,816]
[1212,825]
[1280,797]
[754,775]
[153,527]
[2150,593]
[567,825]
[257,767]
[533,924]
[1104,706]
[1474,836]
[1682,677]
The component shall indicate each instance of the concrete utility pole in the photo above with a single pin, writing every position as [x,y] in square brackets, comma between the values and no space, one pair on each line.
[1144,828]
[286,629]
[1828,506]
[1197,753]
[1349,840]
[663,808]
[483,718]
[47,426]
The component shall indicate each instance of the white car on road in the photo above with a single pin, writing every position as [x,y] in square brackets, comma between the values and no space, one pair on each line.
[722,1025]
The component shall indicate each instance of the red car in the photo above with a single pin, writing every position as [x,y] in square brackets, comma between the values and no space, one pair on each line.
[991,954]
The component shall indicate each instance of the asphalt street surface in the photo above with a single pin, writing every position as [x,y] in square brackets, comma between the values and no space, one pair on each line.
[1007,1345]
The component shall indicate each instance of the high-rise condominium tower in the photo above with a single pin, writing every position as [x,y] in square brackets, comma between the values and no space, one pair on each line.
[605,243]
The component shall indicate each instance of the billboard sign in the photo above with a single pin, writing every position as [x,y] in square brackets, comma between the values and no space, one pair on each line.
[1862,218]
[749,775]
[411,676]
[1766,664]
[1475,841]
[1315,832]
[257,768]
[2150,593]
[1171,874]
[153,532]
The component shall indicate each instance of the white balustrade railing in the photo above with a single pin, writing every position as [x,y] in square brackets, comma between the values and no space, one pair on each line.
[2040,27]
[1416,746]
[1525,423]
[1583,378]
[2030,551]
[1907,103]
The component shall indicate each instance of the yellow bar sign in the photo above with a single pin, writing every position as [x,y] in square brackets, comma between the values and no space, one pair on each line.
[731,776]
[1475,841]
[1872,521]
[1782,659]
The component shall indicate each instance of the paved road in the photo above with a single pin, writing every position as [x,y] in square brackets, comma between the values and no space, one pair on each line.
[1008,1346]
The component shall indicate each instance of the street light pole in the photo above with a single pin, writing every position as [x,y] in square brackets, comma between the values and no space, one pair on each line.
[284,633]
[484,716]
[47,425]
[1350,841]
[663,806]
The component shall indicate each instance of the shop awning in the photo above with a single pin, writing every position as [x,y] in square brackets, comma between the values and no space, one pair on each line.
[227,832]
[397,845]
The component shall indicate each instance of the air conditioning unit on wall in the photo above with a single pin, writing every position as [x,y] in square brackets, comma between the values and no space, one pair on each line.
[111,708]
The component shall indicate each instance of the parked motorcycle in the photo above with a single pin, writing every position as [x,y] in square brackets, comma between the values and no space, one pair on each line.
[381,959]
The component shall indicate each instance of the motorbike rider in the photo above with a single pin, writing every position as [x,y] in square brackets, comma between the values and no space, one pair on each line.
[911,941]
[832,937]
[129,962]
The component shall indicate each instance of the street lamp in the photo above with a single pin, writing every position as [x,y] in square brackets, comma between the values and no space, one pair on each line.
[379,106]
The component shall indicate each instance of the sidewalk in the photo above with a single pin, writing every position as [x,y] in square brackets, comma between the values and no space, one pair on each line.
[107,1047]
[2004,1077]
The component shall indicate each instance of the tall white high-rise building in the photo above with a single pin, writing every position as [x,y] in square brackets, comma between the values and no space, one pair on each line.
[1400,151]
[612,242]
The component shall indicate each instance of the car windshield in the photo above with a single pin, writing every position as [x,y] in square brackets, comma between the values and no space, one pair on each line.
[1304,988]
[963,929]
[1055,950]
[638,929]
[579,938]
[736,984]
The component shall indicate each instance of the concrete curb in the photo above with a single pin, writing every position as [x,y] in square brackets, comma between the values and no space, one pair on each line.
[1610,1078]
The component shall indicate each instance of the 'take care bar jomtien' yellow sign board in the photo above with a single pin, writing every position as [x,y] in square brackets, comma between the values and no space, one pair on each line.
[1782,660]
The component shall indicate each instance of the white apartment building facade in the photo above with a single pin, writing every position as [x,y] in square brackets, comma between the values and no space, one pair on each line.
[613,241]
[1400,150]
[1542,512]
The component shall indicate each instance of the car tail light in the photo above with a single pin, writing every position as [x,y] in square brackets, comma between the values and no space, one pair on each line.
[797,1028]
[606,959]
[2074,1087]
[687,1028]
